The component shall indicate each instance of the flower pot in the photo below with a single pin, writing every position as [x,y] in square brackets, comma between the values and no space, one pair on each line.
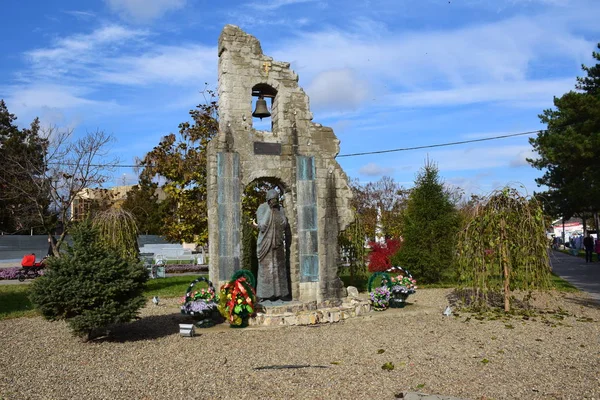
[398,300]
[379,308]
[205,323]
[244,324]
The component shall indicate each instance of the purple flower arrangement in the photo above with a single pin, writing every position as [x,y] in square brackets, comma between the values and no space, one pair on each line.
[198,307]
[380,298]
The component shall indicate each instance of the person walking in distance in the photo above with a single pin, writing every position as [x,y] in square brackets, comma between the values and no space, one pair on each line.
[588,244]
[598,247]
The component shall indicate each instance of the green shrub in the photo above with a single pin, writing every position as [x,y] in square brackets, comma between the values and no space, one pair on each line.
[91,287]
[430,225]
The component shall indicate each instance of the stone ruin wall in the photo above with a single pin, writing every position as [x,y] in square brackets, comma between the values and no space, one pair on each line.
[233,164]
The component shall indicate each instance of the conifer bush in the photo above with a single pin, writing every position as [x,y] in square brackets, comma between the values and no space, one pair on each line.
[430,224]
[91,287]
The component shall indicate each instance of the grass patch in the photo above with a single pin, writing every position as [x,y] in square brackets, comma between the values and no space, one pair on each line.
[580,254]
[360,282]
[561,285]
[15,303]
[174,286]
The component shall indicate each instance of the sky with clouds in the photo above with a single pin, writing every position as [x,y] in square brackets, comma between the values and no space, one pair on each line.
[385,74]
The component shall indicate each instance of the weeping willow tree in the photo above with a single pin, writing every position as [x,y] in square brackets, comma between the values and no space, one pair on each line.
[117,229]
[503,247]
[352,246]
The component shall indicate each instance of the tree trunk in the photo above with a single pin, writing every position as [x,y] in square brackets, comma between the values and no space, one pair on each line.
[504,260]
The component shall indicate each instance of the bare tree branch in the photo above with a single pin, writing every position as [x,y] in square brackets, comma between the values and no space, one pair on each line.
[69,165]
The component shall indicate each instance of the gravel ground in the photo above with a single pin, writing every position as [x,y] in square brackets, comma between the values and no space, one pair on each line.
[539,358]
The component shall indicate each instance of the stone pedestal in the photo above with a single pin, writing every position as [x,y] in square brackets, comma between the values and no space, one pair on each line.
[310,313]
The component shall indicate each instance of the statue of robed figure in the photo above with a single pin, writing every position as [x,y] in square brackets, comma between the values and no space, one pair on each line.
[272,279]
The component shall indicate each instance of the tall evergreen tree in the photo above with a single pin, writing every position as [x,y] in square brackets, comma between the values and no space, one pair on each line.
[429,228]
[569,150]
[21,158]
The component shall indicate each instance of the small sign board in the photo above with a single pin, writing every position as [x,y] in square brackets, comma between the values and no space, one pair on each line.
[267,149]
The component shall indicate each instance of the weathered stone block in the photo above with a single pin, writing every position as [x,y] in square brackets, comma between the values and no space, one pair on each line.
[352,291]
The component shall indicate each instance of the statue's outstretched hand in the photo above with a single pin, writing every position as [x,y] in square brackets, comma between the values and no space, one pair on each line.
[254,224]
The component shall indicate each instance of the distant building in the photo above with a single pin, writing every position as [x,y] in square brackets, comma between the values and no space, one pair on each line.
[571,226]
[88,199]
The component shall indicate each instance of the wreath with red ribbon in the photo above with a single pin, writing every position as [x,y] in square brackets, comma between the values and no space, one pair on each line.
[237,301]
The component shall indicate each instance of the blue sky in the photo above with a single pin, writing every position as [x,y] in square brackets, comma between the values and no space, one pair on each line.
[384,74]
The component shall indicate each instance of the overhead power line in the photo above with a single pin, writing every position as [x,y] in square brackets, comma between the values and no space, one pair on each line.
[429,146]
[440,144]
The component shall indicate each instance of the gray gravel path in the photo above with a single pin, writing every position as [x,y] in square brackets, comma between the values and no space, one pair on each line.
[534,359]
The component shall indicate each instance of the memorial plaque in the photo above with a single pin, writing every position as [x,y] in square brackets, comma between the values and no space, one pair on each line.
[267,149]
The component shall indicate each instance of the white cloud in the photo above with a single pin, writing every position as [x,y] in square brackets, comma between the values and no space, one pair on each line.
[81,52]
[82,15]
[246,21]
[118,55]
[373,169]
[275,4]
[520,160]
[476,184]
[54,104]
[86,64]
[143,10]
[48,95]
[498,61]
[183,65]
[469,158]
[337,89]
[477,158]
[521,93]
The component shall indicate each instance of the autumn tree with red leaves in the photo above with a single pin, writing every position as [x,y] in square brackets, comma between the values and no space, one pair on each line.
[381,254]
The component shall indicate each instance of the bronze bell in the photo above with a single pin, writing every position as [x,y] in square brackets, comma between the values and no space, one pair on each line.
[261,110]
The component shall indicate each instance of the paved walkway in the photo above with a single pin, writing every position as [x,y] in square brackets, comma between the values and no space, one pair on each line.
[582,275]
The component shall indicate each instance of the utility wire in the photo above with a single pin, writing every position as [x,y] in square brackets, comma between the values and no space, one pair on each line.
[430,146]
[440,144]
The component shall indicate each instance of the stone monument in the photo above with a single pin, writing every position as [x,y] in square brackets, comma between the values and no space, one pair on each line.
[296,153]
